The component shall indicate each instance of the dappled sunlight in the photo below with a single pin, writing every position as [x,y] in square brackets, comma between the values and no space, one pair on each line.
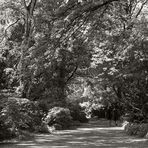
[106,128]
[138,140]
[75,142]
[38,146]
[84,137]
[25,144]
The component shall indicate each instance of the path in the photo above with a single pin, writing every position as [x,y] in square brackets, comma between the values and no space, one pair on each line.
[95,134]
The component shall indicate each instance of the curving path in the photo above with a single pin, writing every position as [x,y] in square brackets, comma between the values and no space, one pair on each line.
[95,134]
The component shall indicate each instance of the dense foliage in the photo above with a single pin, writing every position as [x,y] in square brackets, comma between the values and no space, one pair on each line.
[58,117]
[135,129]
[19,114]
[66,52]
[77,112]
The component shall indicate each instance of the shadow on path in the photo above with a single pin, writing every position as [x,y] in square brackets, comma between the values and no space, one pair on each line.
[94,134]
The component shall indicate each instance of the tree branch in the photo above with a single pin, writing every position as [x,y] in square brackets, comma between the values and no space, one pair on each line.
[141,8]
[98,5]
[24,3]
[87,8]
[32,6]
[3,36]
[72,74]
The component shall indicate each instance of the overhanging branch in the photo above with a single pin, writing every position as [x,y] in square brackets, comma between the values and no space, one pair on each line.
[4,35]
[141,8]
[87,8]
[72,74]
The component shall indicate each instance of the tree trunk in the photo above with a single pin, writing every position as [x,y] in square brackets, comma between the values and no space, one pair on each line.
[25,43]
[61,96]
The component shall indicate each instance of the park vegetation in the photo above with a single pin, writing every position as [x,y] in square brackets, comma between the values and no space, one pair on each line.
[62,59]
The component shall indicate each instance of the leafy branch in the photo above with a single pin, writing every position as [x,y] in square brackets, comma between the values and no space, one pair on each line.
[5,33]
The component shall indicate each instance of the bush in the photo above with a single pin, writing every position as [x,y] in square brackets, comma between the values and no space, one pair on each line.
[33,114]
[19,114]
[134,117]
[12,115]
[136,129]
[77,113]
[59,117]
[143,130]
[146,135]
[5,132]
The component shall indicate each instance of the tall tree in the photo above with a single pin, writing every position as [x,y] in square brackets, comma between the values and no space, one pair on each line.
[27,37]
[58,37]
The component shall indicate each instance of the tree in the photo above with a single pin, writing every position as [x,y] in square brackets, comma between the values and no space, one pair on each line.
[55,35]
[122,66]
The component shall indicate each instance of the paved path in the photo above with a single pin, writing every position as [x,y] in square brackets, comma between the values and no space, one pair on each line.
[95,134]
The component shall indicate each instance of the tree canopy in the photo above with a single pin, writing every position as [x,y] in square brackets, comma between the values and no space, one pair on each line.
[50,48]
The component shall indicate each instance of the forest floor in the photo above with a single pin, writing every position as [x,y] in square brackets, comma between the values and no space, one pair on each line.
[95,134]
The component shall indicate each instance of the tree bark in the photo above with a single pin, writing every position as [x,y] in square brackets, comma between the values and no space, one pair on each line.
[61,96]
[29,24]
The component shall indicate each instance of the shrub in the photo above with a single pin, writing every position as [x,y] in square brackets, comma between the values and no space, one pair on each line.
[133,117]
[143,130]
[12,115]
[5,128]
[20,114]
[33,112]
[136,129]
[77,113]
[5,132]
[146,135]
[43,128]
[59,118]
